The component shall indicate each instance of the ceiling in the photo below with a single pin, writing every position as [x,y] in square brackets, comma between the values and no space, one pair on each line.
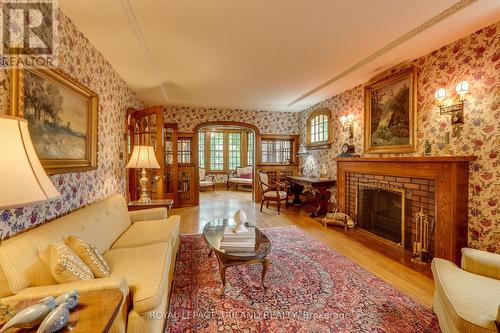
[266,55]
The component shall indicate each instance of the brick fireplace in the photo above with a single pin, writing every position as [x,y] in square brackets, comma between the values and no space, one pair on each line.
[384,194]
[387,205]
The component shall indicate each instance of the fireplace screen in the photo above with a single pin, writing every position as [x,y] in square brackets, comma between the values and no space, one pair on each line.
[381,211]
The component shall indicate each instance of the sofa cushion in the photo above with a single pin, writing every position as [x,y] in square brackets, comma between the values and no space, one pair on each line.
[206,183]
[244,171]
[100,223]
[66,266]
[470,301]
[481,262]
[240,180]
[146,270]
[149,232]
[89,255]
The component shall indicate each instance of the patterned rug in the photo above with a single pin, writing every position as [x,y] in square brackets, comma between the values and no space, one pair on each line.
[310,288]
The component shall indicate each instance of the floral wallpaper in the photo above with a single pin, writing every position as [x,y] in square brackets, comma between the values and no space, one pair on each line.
[82,61]
[475,58]
[268,122]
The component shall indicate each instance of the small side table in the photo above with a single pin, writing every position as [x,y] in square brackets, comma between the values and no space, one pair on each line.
[96,311]
[167,203]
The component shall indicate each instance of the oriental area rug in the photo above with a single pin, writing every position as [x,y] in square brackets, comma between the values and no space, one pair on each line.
[309,288]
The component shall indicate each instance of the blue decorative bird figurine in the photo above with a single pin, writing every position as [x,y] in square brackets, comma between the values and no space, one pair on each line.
[31,316]
[55,320]
[70,298]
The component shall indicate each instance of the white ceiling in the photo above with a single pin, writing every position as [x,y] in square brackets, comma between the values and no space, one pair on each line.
[266,54]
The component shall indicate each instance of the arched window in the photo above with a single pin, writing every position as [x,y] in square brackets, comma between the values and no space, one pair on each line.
[319,129]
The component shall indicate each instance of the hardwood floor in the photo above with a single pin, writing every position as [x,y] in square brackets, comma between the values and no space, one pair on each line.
[369,251]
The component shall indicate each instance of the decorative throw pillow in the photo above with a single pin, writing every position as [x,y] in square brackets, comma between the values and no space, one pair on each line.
[246,175]
[89,255]
[66,266]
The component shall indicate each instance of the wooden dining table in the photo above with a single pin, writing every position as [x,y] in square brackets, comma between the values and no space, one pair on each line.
[321,188]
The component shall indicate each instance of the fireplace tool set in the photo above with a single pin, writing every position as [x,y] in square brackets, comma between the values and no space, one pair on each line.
[422,237]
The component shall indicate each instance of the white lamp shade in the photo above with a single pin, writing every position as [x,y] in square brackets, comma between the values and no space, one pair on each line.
[143,157]
[440,94]
[24,181]
[462,87]
[302,150]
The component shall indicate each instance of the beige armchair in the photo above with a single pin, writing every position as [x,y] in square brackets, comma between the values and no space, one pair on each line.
[206,180]
[467,298]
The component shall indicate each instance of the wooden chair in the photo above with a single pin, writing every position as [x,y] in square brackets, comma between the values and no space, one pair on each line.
[271,191]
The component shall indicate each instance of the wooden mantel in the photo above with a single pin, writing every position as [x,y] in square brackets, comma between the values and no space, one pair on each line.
[451,176]
[412,159]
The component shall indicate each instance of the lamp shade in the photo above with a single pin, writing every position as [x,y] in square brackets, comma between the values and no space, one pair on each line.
[24,181]
[143,157]
[462,87]
[302,150]
[440,94]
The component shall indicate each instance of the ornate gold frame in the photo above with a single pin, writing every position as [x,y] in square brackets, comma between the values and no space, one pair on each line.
[324,144]
[410,73]
[57,166]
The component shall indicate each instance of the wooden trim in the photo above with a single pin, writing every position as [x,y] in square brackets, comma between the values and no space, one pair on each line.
[322,144]
[451,178]
[256,192]
[412,159]
[285,137]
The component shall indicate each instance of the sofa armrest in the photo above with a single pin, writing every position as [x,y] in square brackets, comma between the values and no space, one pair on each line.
[498,319]
[111,282]
[148,214]
[481,263]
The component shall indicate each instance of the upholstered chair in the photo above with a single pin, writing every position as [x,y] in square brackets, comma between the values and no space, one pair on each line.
[206,180]
[271,191]
[467,298]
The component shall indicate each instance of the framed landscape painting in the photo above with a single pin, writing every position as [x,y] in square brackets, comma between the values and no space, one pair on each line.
[62,118]
[390,114]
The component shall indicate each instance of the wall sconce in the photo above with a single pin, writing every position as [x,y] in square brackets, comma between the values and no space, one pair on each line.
[456,110]
[347,123]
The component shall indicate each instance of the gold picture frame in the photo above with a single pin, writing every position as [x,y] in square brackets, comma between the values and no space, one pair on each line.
[62,118]
[390,113]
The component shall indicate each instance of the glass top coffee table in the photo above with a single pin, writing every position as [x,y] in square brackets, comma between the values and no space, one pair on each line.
[213,233]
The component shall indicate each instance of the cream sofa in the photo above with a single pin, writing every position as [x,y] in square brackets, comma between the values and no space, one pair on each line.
[140,248]
[240,176]
[467,299]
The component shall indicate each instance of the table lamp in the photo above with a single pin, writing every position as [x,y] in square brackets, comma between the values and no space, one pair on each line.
[24,181]
[301,154]
[143,157]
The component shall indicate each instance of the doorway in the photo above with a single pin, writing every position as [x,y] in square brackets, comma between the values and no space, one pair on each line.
[226,159]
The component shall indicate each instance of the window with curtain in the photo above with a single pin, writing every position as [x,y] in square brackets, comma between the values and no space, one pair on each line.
[234,149]
[184,151]
[216,151]
[319,129]
[201,149]
[276,151]
[250,148]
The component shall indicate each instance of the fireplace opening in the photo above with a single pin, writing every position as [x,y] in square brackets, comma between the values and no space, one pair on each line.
[381,212]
